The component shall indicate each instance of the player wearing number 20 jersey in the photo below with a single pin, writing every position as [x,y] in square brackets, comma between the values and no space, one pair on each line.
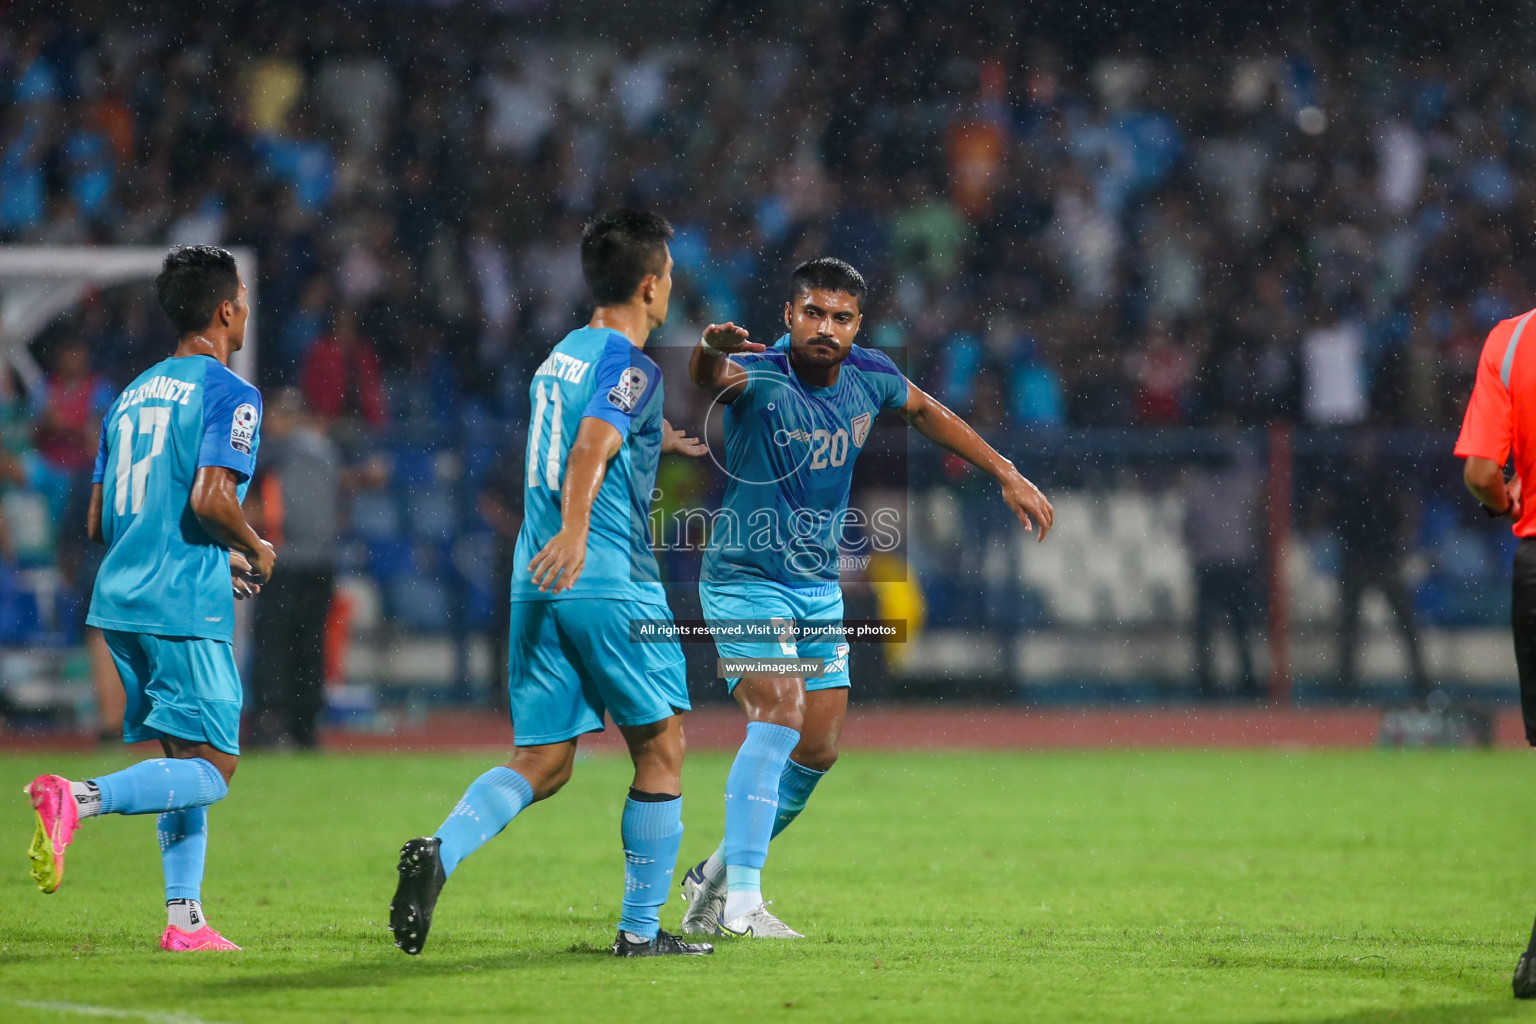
[790,449]
[798,414]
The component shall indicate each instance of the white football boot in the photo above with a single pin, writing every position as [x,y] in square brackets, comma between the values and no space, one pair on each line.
[758,923]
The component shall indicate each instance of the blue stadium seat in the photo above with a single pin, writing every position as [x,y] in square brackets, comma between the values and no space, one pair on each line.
[432,515]
[375,516]
[420,602]
[391,558]
[415,468]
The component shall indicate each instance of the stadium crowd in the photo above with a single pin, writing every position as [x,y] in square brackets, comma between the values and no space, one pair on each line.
[1126,239]
[1056,239]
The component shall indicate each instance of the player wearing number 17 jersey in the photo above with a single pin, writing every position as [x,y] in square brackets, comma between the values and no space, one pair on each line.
[797,416]
[178,448]
[584,572]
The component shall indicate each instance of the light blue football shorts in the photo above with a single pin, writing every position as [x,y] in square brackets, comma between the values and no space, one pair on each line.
[726,603]
[182,687]
[571,659]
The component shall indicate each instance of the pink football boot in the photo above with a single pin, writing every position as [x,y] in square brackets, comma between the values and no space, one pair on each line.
[175,940]
[57,819]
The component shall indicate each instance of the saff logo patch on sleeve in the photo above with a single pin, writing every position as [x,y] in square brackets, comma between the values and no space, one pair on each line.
[242,430]
[631,386]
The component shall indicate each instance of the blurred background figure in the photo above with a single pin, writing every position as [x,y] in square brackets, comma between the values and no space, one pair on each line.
[1221,526]
[501,506]
[298,502]
[66,427]
[297,506]
[341,377]
[1375,521]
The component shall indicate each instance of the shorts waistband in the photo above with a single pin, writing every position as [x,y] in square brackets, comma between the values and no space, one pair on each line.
[803,589]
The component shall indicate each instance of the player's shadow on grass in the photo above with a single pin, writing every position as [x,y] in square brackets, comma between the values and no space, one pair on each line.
[391,970]
[1458,1013]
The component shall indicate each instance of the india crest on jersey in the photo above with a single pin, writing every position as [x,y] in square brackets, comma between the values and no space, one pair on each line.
[860,425]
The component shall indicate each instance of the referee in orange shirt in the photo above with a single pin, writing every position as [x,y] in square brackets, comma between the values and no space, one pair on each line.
[1500,422]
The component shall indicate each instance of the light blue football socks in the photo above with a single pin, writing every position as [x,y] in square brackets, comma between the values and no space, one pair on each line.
[179,791]
[796,784]
[487,806]
[652,830]
[161,785]
[183,839]
[751,805]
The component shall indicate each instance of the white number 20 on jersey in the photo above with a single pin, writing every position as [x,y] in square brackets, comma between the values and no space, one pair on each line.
[135,475]
[827,447]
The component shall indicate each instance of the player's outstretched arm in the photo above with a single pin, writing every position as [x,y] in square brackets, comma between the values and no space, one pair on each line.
[710,366]
[216,503]
[558,564]
[948,431]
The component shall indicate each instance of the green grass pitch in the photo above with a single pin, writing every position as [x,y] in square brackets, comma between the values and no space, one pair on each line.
[1353,887]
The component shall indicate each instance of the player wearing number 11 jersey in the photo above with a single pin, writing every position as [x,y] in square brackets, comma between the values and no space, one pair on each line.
[178,448]
[584,572]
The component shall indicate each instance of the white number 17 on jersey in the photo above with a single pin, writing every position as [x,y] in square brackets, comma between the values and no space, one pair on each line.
[152,420]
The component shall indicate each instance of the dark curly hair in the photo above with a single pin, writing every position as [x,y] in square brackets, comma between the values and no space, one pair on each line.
[193,281]
[828,273]
[619,250]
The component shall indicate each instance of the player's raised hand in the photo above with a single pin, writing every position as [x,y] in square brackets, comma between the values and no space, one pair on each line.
[730,338]
[242,577]
[1028,504]
[559,563]
[674,440]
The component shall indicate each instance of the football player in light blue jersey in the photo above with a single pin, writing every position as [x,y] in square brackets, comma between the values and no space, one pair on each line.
[797,415]
[178,448]
[586,573]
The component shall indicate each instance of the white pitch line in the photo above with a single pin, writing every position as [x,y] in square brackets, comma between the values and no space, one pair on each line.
[86,1010]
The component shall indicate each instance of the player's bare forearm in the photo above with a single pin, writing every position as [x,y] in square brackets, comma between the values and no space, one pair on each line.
[937,423]
[704,366]
[710,365]
[93,517]
[558,564]
[597,441]
[933,420]
[216,503]
[1485,479]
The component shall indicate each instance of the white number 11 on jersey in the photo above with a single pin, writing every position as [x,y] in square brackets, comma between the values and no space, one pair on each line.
[152,420]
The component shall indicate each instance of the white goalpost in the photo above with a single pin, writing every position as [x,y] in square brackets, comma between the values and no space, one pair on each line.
[39,282]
